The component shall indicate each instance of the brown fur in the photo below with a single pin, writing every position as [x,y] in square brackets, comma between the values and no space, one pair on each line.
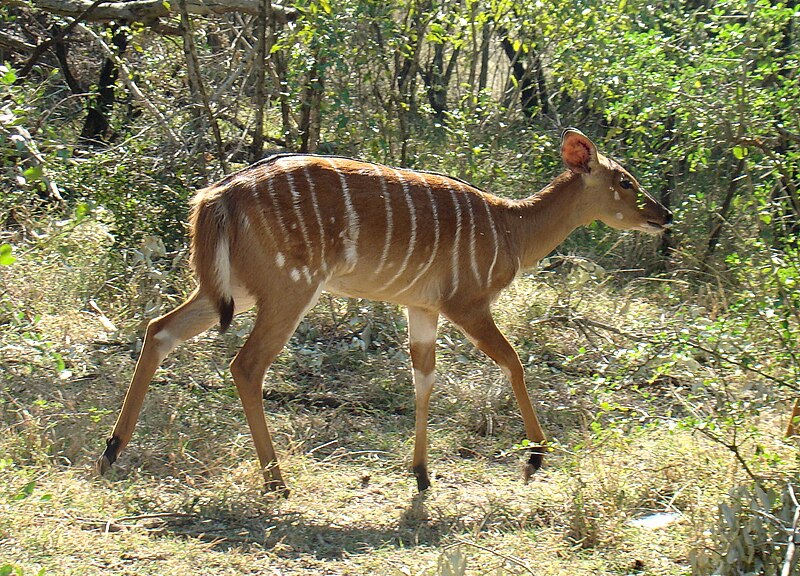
[275,234]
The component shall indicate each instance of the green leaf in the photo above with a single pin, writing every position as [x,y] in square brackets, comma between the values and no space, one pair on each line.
[81,211]
[33,173]
[166,5]
[26,491]
[7,75]
[6,259]
[740,152]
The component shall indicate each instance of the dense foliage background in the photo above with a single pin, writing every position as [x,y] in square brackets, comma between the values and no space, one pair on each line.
[111,118]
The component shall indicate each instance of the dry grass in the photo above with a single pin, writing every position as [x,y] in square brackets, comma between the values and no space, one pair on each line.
[185,497]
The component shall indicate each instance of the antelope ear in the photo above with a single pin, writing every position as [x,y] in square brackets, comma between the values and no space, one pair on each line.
[577,151]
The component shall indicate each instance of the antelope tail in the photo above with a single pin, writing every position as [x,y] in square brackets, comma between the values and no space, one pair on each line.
[211,253]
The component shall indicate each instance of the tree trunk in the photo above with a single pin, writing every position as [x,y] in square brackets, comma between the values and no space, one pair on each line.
[96,128]
[719,218]
[281,74]
[528,98]
[437,80]
[310,114]
[259,69]
[486,35]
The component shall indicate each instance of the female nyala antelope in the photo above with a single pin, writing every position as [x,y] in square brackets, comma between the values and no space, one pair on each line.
[276,234]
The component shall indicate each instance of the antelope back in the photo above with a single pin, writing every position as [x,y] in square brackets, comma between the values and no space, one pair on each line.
[361,229]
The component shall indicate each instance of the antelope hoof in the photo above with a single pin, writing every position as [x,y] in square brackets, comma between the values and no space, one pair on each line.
[535,457]
[276,487]
[108,458]
[423,481]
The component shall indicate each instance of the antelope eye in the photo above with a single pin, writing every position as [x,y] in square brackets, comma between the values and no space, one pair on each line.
[625,183]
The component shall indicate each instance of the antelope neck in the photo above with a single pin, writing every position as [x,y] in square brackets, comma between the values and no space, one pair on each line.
[539,223]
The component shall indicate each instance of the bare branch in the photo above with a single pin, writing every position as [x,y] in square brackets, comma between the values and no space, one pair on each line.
[150,10]
[127,77]
[41,48]
[196,81]
[10,41]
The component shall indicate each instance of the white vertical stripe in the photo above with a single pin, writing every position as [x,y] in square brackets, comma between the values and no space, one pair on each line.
[472,255]
[436,233]
[490,219]
[412,241]
[277,211]
[351,243]
[313,189]
[456,242]
[255,188]
[245,221]
[296,206]
[387,241]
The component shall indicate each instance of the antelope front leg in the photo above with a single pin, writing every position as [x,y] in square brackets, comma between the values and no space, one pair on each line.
[483,332]
[422,342]
[191,318]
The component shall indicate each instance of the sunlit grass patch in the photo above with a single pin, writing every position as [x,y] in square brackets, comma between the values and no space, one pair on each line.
[640,423]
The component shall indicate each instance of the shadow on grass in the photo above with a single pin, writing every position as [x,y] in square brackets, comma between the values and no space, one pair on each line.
[293,534]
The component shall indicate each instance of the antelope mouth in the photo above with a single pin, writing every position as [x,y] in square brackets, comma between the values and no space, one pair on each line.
[651,227]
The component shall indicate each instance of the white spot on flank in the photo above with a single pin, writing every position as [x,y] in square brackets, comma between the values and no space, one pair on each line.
[295,274]
[280,259]
[617,196]
[619,216]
